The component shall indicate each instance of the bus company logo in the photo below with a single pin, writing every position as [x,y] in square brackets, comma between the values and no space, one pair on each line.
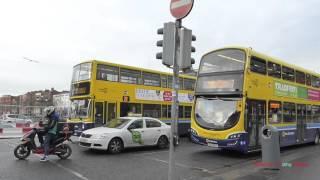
[167,95]
[286,88]
[287,133]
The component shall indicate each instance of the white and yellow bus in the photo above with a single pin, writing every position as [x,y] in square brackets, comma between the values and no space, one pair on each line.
[101,91]
[239,90]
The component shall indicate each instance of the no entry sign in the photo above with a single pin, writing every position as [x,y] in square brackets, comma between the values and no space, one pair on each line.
[180,8]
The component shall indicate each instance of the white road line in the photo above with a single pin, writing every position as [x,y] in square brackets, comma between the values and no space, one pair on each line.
[80,176]
[183,165]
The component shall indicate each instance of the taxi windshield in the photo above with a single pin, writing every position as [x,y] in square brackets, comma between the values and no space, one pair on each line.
[117,123]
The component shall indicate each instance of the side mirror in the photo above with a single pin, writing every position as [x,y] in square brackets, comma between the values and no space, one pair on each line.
[131,127]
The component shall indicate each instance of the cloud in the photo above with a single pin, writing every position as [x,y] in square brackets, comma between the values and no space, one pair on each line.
[62,33]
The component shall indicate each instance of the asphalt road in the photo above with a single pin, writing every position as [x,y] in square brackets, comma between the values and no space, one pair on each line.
[192,162]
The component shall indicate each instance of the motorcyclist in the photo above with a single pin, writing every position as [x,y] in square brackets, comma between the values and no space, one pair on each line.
[51,129]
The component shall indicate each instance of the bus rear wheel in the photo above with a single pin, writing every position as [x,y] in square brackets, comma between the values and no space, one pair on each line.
[317,139]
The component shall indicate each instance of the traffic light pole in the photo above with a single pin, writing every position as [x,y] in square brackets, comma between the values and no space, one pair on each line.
[174,137]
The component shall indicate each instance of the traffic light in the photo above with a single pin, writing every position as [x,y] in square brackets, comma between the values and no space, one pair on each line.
[167,44]
[184,60]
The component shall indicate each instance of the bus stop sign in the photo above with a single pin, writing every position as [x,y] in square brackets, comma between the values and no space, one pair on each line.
[180,8]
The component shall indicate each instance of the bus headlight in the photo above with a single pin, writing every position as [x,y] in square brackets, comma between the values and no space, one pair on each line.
[194,132]
[234,136]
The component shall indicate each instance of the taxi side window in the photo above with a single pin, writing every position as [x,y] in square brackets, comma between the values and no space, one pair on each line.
[137,124]
[152,123]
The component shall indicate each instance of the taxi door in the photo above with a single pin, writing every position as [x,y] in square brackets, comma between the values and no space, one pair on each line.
[152,131]
[134,134]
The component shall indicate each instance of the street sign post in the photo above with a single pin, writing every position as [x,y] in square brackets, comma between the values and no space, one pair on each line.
[180,8]
[174,41]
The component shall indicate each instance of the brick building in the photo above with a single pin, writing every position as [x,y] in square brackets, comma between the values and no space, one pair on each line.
[31,104]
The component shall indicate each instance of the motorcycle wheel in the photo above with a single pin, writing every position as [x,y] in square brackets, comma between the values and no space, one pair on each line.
[21,152]
[66,151]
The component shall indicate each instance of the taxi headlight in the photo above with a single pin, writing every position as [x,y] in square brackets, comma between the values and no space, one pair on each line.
[100,136]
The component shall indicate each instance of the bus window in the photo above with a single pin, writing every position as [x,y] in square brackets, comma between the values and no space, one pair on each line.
[169,111]
[300,77]
[152,110]
[164,81]
[308,79]
[180,112]
[315,114]
[258,65]
[180,83]
[107,73]
[274,112]
[170,79]
[164,112]
[151,79]
[301,112]
[288,73]
[289,112]
[189,84]
[130,76]
[187,111]
[222,61]
[127,108]
[274,70]
[81,72]
[315,81]
[309,113]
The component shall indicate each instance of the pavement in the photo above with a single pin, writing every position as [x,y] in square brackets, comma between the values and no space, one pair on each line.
[193,162]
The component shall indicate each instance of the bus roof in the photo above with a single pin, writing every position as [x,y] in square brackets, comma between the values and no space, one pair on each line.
[135,68]
[267,57]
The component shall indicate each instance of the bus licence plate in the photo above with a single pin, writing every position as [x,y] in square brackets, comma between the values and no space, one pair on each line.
[213,145]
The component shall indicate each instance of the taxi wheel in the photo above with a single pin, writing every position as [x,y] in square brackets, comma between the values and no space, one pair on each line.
[115,145]
[163,142]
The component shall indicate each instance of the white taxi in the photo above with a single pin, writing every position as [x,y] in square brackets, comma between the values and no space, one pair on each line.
[126,132]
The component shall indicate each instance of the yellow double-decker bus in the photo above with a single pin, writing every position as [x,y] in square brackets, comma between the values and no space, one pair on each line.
[101,91]
[239,90]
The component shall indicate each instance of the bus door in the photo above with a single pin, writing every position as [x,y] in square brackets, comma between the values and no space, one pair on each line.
[111,111]
[301,122]
[98,114]
[255,119]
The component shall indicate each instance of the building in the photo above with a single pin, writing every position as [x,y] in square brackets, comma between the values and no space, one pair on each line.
[62,104]
[30,104]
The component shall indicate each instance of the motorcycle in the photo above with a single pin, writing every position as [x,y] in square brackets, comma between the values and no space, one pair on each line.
[58,147]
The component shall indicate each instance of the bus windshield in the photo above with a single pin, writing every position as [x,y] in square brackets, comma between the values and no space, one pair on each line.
[80,108]
[223,60]
[81,72]
[216,114]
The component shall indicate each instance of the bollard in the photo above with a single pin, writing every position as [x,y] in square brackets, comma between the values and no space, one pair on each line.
[270,147]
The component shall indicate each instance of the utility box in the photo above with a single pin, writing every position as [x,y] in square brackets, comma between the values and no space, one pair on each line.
[270,147]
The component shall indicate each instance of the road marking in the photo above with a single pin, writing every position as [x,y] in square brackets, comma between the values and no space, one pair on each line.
[183,166]
[80,176]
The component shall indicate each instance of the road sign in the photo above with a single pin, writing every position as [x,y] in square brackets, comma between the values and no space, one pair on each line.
[180,8]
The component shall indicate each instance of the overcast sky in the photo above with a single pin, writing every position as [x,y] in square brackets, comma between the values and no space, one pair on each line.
[62,33]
